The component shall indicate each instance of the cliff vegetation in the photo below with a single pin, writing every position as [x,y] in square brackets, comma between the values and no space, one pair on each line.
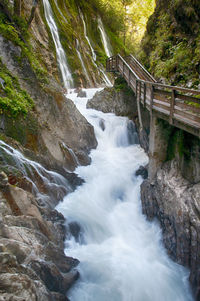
[170,47]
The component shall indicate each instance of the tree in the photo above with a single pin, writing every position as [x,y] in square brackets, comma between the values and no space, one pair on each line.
[125,4]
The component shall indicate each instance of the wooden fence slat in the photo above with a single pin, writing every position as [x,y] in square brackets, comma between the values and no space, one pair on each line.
[172,106]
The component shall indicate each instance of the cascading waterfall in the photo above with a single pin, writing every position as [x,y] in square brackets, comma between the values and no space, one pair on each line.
[120,252]
[81,60]
[87,38]
[61,57]
[44,184]
[94,57]
[104,37]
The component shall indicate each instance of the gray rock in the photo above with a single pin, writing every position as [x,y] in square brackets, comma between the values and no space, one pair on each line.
[111,101]
[176,204]
[3,180]
[142,171]
[82,94]
[102,124]
[32,259]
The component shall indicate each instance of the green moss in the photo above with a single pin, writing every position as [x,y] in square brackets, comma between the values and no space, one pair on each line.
[23,130]
[14,32]
[13,99]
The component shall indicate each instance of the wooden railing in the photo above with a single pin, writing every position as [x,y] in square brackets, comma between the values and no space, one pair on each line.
[179,106]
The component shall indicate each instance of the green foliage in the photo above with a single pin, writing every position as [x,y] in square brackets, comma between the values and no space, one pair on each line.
[13,100]
[14,32]
[121,85]
[170,48]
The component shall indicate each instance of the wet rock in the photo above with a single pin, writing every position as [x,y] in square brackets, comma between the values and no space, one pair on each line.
[175,203]
[75,230]
[21,287]
[3,180]
[59,297]
[102,124]
[32,249]
[54,280]
[82,94]
[111,101]
[142,171]
[2,82]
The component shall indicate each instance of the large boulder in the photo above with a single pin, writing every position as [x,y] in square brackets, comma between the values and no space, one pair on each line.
[33,265]
[111,101]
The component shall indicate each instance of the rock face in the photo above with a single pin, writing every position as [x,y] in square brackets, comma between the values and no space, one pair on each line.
[122,103]
[33,265]
[56,127]
[111,101]
[176,204]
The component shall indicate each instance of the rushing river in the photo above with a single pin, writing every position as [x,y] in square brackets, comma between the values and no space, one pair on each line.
[120,252]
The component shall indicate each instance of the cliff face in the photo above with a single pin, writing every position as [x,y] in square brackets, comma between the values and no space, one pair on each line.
[170,47]
[172,196]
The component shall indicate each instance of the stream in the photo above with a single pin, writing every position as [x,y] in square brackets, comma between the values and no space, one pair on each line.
[121,254]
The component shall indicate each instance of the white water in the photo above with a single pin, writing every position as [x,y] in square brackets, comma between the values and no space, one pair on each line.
[87,38]
[61,57]
[105,39]
[94,57]
[54,186]
[121,255]
[82,62]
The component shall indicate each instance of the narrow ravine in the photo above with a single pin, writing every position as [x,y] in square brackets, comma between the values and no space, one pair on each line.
[121,254]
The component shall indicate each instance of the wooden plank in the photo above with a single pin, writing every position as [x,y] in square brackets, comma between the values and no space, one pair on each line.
[187,115]
[160,105]
[162,92]
[185,106]
[188,98]
[161,97]
[189,122]
[162,110]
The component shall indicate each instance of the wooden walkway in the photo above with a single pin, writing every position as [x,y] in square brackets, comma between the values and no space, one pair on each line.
[179,106]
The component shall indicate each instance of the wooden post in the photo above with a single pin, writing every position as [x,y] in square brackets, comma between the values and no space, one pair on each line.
[138,95]
[117,62]
[172,103]
[144,95]
[151,102]
[129,77]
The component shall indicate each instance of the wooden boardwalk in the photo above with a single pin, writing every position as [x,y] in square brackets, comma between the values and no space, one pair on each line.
[179,106]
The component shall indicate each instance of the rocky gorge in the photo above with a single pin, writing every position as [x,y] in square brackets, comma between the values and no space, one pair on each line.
[173,196]
[44,137]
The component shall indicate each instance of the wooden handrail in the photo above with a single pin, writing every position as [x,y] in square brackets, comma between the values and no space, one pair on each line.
[172,103]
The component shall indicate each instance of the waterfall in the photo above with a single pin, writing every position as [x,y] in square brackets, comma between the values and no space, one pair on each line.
[104,38]
[44,184]
[61,57]
[121,254]
[82,62]
[87,38]
[94,57]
